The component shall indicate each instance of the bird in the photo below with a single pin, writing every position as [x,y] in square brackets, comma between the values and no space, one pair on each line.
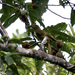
[41,34]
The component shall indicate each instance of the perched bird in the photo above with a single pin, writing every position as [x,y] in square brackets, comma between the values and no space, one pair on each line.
[41,34]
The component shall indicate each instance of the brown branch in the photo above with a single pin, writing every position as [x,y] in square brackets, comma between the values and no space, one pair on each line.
[36,43]
[41,56]
[1,32]
[54,48]
[4,31]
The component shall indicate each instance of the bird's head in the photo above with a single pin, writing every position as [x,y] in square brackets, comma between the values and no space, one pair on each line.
[35,27]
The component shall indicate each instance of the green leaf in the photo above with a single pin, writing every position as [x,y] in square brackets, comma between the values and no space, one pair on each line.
[39,11]
[8,72]
[1,63]
[72,17]
[5,39]
[10,20]
[9,60]
[15,41]
[63,36]
[7,10]
[30,63]
[66,47]
[40,21]
[23,36]
[4,17]
[1,41]
[14,36]
[17,31]
[18,61]
[62,3]
[72,60]
[72,30]
[4,6]
[57,31]
[41,6]
[59,27]
[69,33]
[13,68]
[39,64]
[61,71]
[1,11]
[50,68]
[19,41]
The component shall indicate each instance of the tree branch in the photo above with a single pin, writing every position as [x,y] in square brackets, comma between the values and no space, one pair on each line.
[58,14]
[40,55]
[54,5]
[69,4]
[1,32]
[4,31]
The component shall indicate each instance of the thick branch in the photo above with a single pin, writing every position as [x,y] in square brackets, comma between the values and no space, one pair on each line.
[41,55]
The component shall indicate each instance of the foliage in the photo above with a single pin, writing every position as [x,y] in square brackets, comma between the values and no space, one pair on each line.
[12,63]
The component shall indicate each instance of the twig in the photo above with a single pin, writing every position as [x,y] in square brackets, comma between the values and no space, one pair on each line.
[40,42]
[69,4]
[54,49]
[54,5]
[34,44]
[58,15]
[72,3]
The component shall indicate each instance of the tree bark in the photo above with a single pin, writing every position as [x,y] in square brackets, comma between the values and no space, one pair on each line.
[41,55]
